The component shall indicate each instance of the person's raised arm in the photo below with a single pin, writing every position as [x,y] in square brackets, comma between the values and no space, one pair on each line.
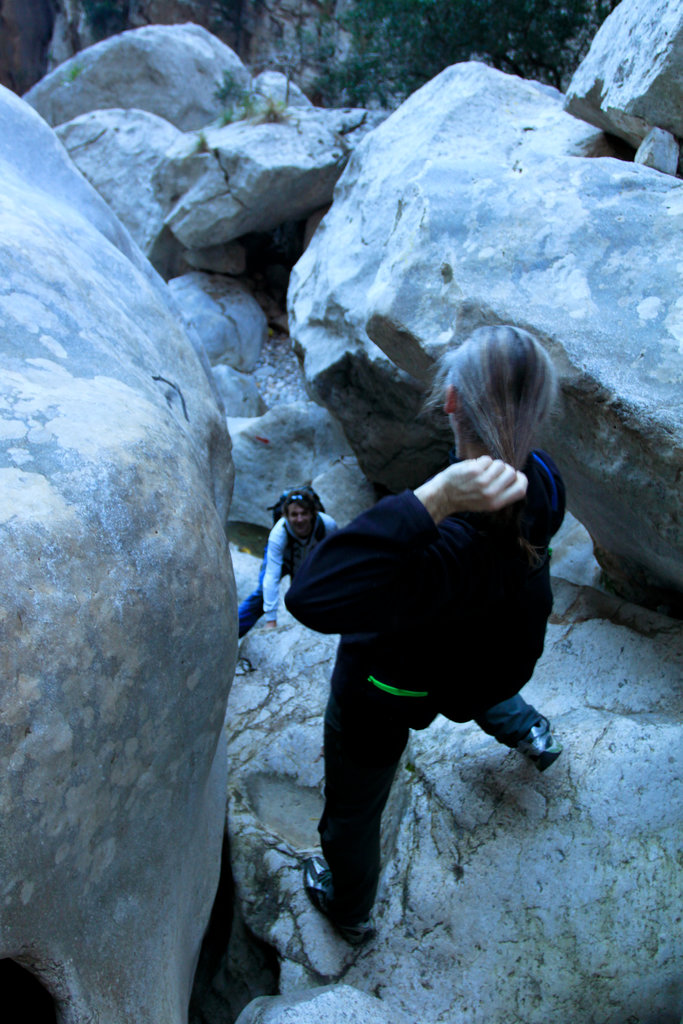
[392,562]
[475,485]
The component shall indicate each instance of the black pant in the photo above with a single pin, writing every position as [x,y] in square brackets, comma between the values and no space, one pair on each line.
[360,764]
[361,758]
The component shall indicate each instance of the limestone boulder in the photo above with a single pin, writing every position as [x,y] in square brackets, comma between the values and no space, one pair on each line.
[353,123]
[249,176]
[343,488]
[275,86]
[290,445]
[119,152]
[659,149]
[433,232]
[117,635]
[169,70]
[239,392]
[631,79]
[329,1004]
[501,886]
[226,316]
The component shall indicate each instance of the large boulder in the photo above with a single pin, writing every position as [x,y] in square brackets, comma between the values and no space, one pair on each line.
[278,88]
[170,70]
[228,319]
[501,887]
[119,152]
[238,391]
[435,231]
[631,80]
[117,636]
[250,176]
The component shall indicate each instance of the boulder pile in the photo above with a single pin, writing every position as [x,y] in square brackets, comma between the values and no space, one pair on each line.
[480,201]
[208,168]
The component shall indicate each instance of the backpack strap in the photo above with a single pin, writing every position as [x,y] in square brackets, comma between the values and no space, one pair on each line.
[554,497]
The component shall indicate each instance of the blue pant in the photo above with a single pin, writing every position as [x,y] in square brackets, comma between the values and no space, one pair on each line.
[251,609]
[360,764]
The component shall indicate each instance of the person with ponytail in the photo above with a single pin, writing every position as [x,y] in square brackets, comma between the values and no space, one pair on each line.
[442,597]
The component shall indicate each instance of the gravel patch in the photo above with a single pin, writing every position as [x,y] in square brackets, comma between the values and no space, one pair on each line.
[278,375]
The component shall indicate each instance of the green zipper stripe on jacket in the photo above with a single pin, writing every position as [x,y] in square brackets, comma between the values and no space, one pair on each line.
[395,690]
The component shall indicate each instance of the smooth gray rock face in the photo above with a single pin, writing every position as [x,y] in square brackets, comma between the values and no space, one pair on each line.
[248,176]
[659,149]
[632,77]
[117,632]
[169,70]
[329,1004]
[433,232]
[286,447]
[238,391]
[119,152]
[505,893]
[228,319]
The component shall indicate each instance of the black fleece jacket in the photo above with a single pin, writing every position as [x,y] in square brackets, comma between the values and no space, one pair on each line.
[450,616]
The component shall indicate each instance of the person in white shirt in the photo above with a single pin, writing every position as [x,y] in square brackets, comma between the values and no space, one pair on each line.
[300,529]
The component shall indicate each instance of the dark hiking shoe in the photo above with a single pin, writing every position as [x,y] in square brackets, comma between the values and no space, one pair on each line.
[318,886]
[540,746]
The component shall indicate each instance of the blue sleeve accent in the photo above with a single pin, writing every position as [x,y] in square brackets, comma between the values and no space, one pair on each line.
[553,486]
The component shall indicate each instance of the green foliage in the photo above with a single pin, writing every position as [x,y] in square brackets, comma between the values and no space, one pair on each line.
[106,17]
[73,72]
[229,91]
[398,45]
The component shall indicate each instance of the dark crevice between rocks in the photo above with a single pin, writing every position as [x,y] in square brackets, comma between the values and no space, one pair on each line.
[609,145]
[234,966]
[271,256]
[23,996]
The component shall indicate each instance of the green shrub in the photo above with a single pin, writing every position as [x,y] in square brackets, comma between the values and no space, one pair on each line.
[398,45]
[106,17]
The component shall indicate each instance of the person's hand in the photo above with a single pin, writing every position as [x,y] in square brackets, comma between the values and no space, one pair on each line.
[475,485]
[271,624]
